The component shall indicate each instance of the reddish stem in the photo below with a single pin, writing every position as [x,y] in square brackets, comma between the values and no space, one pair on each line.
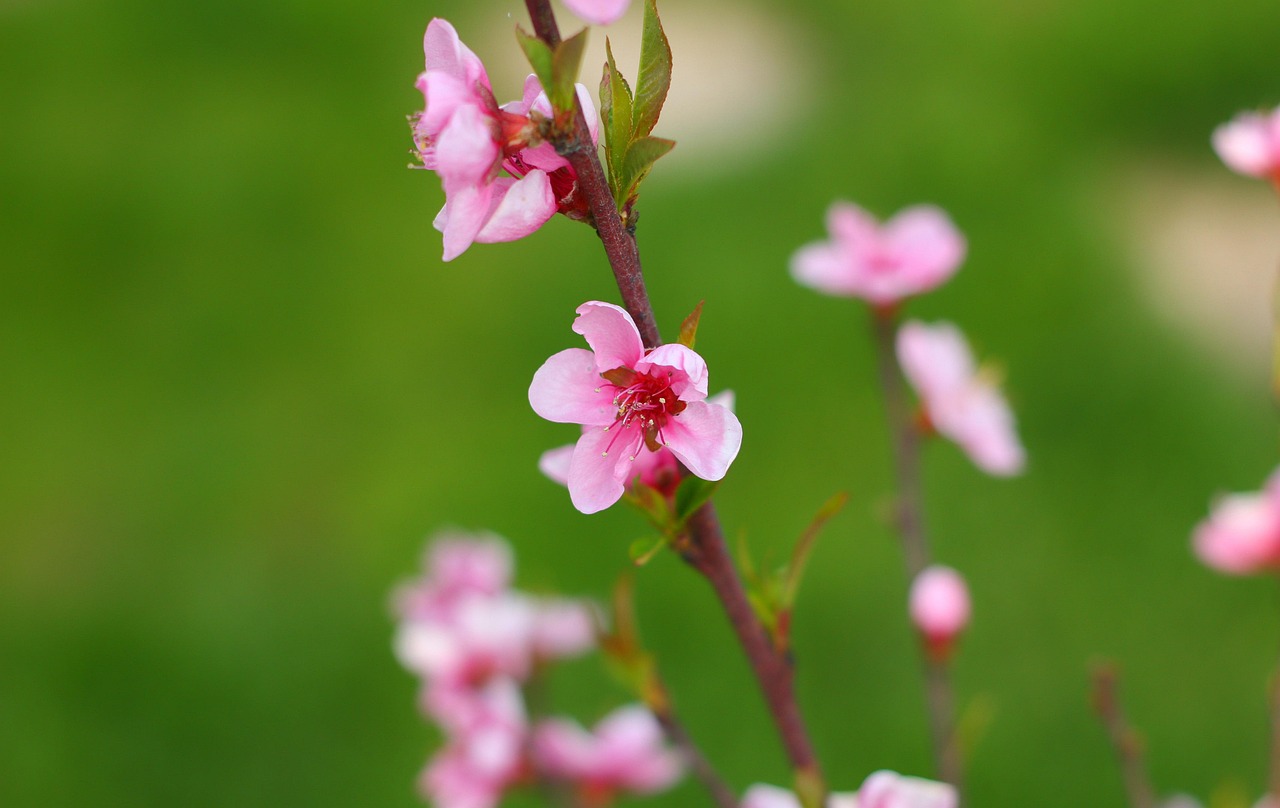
[706,551]
[1124,739]
[909,516]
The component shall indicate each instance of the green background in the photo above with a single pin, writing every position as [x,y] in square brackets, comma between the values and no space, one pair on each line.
[240,388]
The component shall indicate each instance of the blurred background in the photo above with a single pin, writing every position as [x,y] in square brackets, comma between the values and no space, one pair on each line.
[240,388]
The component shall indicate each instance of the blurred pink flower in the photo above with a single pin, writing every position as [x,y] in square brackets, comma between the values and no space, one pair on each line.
[959,402]
[915,251]
[625,752]
[1250,144]
[763,795]
[598,12]
[487,731]
[465,137]
[630,400]
[658,470]
[886,789]
[1242,534]
[939,606]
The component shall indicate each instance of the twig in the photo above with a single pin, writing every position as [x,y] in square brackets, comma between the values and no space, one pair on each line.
[909,517]
[1124,739]
[706,552]
[721,792]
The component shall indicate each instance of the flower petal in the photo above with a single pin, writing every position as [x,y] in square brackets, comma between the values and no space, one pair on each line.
[826,267]
[462,217]
[705,437]
[934,358]
[567,389]
[686,368]
[445,52]
[594,482]
[466,153]
[518,208]
[927,244]
[555,463]
[1246,145]
[598,12]
[611,333]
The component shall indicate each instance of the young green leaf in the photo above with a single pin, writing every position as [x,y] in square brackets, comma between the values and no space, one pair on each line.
[643,550]
[538,54]
[565,64]
[615,112]
[654,78]
[804,546]
[641,156]
[689,328]
[692,494]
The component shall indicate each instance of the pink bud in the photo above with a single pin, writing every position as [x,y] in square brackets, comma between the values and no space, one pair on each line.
[1250,144]
[939,606]
[886,789]
[1242,534]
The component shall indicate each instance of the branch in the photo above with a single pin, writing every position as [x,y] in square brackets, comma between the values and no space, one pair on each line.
[721,792]
[909,518]
[706,551]
[1124,739]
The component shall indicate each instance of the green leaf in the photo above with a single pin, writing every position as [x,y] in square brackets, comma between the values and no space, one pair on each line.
[692,494]
[565,64]
[653,504]
[615,112]
[643,550]
[539,56]
[689,328]
[641,156]
[655,72]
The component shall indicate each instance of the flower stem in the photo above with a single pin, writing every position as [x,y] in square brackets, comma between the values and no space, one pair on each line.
[706,551]
[909,518]
[1124,739]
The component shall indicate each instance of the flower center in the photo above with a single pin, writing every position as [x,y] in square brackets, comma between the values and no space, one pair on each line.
[644,402]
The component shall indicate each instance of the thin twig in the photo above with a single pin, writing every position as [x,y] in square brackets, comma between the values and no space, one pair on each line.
[1124,739]
[706,552]
[909,518]
[721,792]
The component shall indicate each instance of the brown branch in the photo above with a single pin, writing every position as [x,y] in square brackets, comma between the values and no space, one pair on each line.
[909,519]
[1124,739]
[721,792]
[706,551]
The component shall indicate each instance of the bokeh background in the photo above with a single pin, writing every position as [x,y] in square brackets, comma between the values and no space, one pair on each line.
[240,388]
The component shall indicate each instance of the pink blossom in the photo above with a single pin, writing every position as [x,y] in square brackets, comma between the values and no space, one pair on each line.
[465,137]
[562,628]
[625,752]
[598,12]
[939,607]
[630,400]
[487,731]
[479,638]
[915,251]
[658,470]
[959,401]
[763,795]
[886,789]
[1242,534]
[1250,144]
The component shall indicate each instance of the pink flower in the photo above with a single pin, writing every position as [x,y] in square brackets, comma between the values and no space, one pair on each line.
[658,470]
[1250,144]
[630,400]
[1242,534]
[625,752]
[486,732]
[959,402]
[598,12]
[886,789]
[939,607]
[913,252]
[763,795]
[464,136]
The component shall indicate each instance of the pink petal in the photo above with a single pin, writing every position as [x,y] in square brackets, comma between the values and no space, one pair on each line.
[597,471]
[984,426]
[825,267]
[611,333]
[886,789]
[443,95]
[851,226]
[763,795]
[445,52]
[1241,535]
[685,368]
[598,12]
[928,245]
[936,358]
[519,207]
[1248,145]
[632,753]
[705,437]
[458,562]
[567,389]
[725,398]
[462,217]
[555,463]
[562,628]
[562,748]
[466,153]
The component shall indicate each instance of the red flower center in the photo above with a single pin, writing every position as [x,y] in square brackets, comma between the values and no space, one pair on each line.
[644,401]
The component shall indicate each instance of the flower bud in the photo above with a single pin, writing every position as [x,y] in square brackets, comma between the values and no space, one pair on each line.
[939,608]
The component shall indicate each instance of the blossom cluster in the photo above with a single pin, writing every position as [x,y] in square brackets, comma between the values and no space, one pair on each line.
[473,641]
[463,135]
[883,789]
